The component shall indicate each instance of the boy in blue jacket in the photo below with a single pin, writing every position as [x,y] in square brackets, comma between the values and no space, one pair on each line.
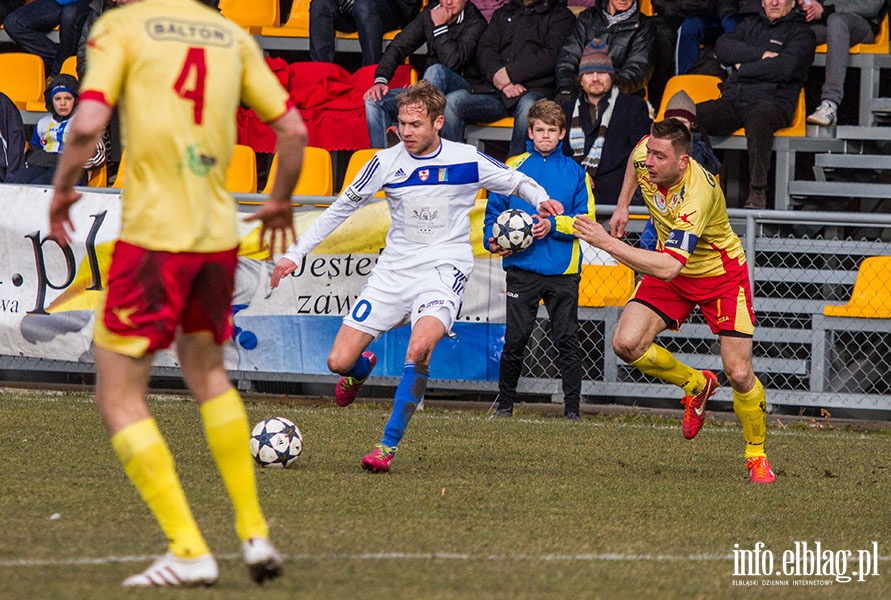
[549,269]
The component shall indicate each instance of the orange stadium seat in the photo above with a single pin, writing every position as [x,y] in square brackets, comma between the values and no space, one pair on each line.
[357,161]
[297,24]
[605,285]
[22,78]
[69,67]
[316,177]
[241,177]
[871,297]
[119,178]
[253,15]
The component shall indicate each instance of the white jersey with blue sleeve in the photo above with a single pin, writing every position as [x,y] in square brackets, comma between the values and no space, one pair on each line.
[430,198]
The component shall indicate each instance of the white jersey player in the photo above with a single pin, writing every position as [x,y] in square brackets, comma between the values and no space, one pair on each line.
[431,186]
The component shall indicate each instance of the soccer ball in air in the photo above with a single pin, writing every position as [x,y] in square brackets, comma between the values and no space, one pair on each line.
[512,230]
[276,442]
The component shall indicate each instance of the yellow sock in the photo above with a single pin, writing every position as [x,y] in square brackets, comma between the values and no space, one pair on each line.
[227,431]
[660,363]
[147,461]
[751,410]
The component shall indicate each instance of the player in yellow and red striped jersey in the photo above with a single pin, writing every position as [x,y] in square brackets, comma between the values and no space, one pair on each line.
[177,71]
[698,261]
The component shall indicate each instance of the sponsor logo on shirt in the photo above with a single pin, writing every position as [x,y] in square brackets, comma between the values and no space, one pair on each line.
[352,195]
[176,30]
[431,305]
[424,174]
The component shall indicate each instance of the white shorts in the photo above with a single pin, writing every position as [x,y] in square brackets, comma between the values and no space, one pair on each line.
[390,300]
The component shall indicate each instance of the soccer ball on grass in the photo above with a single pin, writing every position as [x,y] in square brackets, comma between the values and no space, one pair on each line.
[276,442]
[512,230]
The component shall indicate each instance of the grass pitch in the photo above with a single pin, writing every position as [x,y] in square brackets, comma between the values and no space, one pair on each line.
[530,507]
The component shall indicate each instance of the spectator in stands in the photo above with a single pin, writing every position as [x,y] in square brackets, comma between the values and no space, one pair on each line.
[29,25]
[548,270]
[605,123]
[840,24]
[516,56]
[50,133]
[451,30]
[371,18]
[488,7]
[666,21]
[7,6]
[704,29]
[112,135]
[12,139]
[627,34]
[771,56]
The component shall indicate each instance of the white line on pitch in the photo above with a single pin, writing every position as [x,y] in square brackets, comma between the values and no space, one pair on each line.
[454,556]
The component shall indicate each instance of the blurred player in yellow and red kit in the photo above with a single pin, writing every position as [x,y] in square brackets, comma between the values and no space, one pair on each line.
[178,71]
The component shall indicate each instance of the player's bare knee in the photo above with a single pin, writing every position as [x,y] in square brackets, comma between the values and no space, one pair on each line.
[417,353]
[627,348]
[740,376]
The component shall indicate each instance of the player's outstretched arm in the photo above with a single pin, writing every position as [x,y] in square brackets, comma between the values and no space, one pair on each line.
[648,262]
[283,268]
[276,216]
[80,144]
[550,208]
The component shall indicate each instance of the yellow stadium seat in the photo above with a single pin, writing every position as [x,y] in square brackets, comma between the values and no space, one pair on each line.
[252,15]
[22,78]
[241,177]
[98,177]
[357,161]
[69,67]
[646,7]
[871,298]
[297,24]
[878,46]
[605,285]
[119,178]
[701,88]
[316,177]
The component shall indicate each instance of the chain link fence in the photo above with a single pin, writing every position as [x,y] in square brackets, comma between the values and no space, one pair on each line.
[822,296]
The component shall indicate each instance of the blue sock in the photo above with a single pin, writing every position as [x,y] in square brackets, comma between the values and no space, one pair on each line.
[409,394]
[360,369]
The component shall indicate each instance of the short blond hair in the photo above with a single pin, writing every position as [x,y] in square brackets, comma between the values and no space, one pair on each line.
[425,94]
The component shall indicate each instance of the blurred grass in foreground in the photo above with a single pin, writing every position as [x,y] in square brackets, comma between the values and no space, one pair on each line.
[529,507]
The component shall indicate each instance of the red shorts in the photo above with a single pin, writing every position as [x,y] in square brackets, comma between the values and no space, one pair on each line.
[151,294]
[725,300]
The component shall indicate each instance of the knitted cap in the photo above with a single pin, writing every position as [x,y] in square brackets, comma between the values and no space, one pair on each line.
[595,58]
[682,106]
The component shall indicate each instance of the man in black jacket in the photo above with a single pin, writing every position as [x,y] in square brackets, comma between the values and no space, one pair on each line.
[516,55]
[451,30]
[605,123]
[371,18]
[12,139]
[770,56]
[628,35]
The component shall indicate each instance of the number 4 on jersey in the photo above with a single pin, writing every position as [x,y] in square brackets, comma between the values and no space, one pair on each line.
[195,63]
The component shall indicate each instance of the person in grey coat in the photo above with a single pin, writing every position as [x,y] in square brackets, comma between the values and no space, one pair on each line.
[840,24]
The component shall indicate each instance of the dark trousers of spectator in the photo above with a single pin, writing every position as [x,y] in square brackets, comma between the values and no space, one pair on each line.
[7,6]
[371,18]
[721,117]
[561,299]
[29,25]
[665,53]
